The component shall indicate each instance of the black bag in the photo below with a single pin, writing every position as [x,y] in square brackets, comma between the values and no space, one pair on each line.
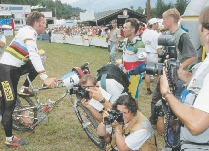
[111,71]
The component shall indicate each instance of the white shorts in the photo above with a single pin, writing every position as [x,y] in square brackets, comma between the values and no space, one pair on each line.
[152,57]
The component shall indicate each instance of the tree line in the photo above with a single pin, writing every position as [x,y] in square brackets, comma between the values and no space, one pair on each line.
[66,11]
[161,7]
[57,8]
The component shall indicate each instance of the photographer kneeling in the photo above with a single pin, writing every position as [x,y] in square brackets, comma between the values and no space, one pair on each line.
[193,109]
[133,131]
[95,98]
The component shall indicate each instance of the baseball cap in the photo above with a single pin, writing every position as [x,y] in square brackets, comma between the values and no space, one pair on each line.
[153,21]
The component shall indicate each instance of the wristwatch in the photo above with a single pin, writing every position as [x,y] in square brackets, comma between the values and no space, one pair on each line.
[166,93]
[102,101]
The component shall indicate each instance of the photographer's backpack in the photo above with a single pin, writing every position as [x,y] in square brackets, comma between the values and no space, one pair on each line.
[111,71]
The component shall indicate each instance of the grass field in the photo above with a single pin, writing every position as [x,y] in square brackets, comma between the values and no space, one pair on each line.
[64,132]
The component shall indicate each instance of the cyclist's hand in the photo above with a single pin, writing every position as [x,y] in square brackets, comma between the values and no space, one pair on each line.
[95,94]
[44,61]
[50,82]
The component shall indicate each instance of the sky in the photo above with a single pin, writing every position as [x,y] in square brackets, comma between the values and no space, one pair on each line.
[68,1]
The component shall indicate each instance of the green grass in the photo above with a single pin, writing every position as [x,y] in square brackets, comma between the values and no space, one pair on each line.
[64,132]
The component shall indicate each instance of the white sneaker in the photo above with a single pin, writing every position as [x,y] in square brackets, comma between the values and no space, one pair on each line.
[152,79]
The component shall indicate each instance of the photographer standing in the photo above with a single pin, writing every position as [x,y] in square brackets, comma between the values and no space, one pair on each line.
[114,40]
[186,53]
[193,110]
[134,133]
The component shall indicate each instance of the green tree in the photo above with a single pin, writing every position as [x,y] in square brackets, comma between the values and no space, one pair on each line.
[65,11]
[131,7]
[181,5]
[161,7]
[139,10]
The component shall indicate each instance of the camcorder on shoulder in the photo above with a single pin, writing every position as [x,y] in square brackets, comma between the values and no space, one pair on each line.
[172,64]
[81,93]
[113,115]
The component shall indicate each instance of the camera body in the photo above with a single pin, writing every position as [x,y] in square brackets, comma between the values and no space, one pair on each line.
[172,64]
[108,27]
[113,115]
[81,93]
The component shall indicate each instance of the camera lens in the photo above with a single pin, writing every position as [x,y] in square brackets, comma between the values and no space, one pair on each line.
[154,68]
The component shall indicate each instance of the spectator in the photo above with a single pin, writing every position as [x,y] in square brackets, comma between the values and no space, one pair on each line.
[134,132]
[2,43]
[140,30]
[114,40]
[108,42]
[121,32]
[150,39]
[50,34]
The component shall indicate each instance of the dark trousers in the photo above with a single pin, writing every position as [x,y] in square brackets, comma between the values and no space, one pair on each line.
[9,77]
[157,96]
[28,68]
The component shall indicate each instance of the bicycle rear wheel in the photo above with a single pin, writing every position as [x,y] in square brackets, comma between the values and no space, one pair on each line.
[89,125]
[24,115]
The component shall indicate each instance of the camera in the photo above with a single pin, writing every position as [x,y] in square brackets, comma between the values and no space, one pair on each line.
[172,64]
[113,115]
[81,93]
[108,27]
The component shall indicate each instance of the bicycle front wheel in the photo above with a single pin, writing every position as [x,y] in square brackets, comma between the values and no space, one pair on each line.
[24,114]
[89,125]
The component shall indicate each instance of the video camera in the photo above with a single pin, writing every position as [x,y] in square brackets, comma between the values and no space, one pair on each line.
[113,115]
[172,64]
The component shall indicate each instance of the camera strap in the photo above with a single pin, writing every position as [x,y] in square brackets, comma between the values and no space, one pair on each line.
[103,81]
[172,130]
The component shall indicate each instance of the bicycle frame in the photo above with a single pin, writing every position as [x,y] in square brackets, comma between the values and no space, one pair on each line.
[41,111]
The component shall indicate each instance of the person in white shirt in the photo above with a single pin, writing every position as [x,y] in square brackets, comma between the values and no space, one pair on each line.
[2,43]
[150,39]
[21,51]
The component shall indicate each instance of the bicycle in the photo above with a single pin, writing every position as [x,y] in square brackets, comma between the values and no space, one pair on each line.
[37,112]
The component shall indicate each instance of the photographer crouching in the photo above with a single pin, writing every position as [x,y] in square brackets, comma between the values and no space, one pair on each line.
[129,130]
[193,108]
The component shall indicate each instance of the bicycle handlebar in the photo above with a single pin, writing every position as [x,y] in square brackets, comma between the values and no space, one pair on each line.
[84,65]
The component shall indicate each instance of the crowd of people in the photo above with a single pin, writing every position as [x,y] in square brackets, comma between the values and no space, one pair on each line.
[81,30]
[132,131]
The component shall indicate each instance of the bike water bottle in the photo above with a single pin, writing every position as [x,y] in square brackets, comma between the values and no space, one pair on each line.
[42,55]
